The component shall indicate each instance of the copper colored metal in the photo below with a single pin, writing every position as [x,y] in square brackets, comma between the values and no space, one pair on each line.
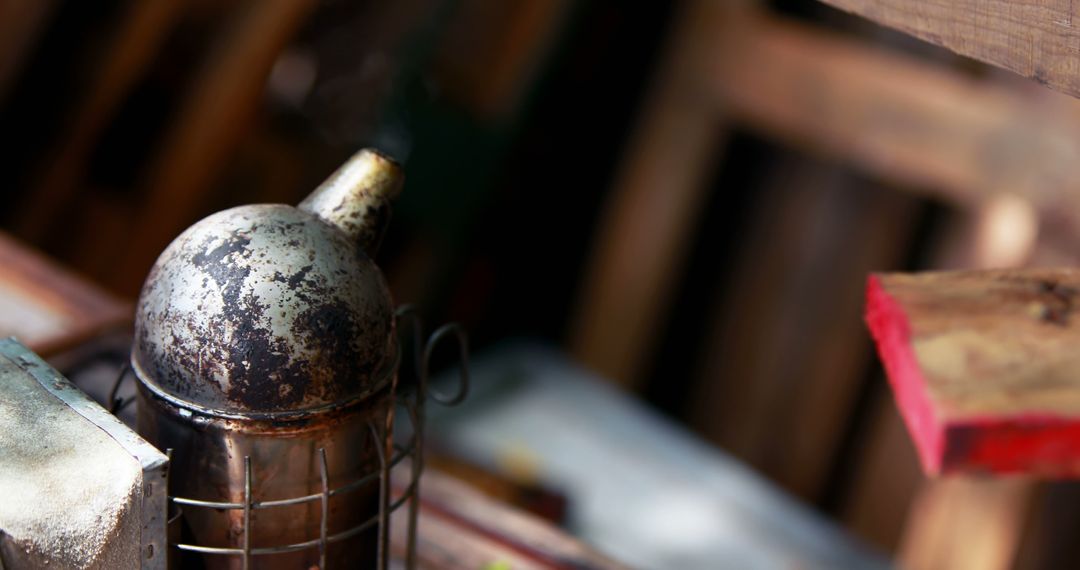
[266,361]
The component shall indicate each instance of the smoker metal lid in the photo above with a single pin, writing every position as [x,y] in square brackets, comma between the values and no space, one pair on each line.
[263,309]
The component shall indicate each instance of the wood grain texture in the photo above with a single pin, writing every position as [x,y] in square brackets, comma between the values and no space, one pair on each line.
[902,119]
[907,121]
[132,48]
[984,366]
[46,307]
[1034,38]
[461,528]
[944,512]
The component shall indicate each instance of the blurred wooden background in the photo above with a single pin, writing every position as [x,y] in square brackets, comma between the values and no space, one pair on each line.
[687,195]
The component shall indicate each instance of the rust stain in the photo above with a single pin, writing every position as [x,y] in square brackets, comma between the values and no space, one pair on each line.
[287,312]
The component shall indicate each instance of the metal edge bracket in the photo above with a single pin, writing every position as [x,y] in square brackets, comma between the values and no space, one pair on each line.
[154,463]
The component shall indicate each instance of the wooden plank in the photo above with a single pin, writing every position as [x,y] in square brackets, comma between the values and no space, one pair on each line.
[46,307]
[1000,233]
[984,367]
[640,486]
[904,120]
[886,479]
[1034,38]
[740,384]
[946,511]
[135,44]
[907,121]
[964,522]
[460,527]
[443,545]
[652,210]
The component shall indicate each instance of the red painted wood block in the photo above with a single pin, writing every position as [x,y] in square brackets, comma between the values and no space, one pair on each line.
[984,366]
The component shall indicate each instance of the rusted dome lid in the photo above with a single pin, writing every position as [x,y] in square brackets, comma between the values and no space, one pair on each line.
[270,308]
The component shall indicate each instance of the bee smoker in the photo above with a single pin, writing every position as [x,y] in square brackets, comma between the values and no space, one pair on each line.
[266,362]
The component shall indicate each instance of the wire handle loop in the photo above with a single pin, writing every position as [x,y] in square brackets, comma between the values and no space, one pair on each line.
[422,357]
[463,376]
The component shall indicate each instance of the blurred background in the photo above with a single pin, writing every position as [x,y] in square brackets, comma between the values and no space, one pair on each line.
[680,200]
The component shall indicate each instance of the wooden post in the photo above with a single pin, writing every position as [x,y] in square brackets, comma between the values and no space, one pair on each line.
[985,366]
[987,512]
[653,209]
[1035,38]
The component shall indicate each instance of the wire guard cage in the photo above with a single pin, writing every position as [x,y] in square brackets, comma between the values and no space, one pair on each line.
[411,401]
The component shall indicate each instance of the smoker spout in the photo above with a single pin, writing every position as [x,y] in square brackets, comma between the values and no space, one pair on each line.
[356,198]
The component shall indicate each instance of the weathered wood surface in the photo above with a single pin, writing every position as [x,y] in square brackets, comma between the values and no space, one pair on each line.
[947,513]
[984,366]
[1034,38]
[461,528]
[47,308]
[925,520]
[907,121]
[902,119]
[139,36]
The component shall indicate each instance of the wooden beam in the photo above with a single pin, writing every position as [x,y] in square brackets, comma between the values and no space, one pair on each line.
[132,49]
[462,528]
[947,511]
[885,479]
[1035,38]
[652,211]
[901,119]
[984,366]
[961,139]
[49,309]
[966,522]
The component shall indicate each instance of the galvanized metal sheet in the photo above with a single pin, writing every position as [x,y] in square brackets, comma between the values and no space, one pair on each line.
[81,490]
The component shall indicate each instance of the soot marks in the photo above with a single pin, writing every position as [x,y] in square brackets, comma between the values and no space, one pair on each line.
[1057,301]
[224,264]
[236,244]
[298,280]
[262,376]
[286,228]
[330,332]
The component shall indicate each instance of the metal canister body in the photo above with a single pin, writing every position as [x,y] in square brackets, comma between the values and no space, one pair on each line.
[266,362]
[284,458]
